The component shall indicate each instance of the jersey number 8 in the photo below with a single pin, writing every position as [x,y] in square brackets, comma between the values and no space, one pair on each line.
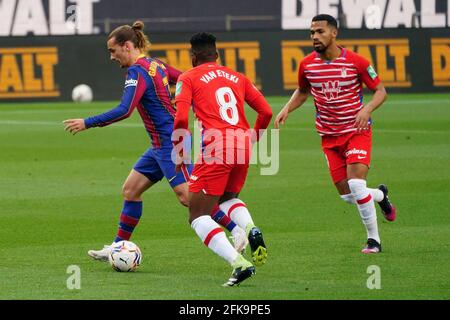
[227,105]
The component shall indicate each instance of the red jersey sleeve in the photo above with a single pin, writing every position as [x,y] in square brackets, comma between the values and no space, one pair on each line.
[183,100]
[183,91]
[257,102]
[302,80]
[367,73]
[251,92]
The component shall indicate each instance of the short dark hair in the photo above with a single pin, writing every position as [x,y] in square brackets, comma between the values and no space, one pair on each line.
[203,45]
[326,17]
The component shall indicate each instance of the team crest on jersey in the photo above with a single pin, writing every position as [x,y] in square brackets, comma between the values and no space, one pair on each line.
[331,89]
[344,72]
[152,69]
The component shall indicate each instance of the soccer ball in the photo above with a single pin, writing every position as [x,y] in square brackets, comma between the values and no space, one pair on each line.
[82,93]
[125,256]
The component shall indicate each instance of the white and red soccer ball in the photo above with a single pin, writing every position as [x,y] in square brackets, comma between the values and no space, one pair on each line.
[125,256]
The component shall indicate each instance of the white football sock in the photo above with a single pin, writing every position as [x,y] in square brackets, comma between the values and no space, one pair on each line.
[376,194]
[366,207]
[214,237]
[237,211]
[348,198]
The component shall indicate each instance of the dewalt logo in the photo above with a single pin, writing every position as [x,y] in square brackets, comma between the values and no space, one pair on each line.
[239,56]
[440,59]
[388,56]
[28,72]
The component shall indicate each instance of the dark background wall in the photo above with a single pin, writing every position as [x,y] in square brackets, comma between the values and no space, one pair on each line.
[407,61]
[195,15]
[36,64]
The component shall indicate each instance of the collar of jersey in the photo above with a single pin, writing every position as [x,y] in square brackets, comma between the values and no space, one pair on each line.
[343,54]
[140,57]
[215,64]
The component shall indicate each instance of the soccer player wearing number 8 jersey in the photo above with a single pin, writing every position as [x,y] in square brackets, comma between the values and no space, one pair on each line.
[334,76]
[218,95]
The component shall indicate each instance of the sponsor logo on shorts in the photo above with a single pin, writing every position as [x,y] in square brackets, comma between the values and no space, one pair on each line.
[361,153]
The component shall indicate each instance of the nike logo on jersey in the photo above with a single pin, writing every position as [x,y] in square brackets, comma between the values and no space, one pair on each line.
[170,180]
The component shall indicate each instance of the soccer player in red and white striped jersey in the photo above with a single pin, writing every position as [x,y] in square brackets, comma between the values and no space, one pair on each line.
[334,76]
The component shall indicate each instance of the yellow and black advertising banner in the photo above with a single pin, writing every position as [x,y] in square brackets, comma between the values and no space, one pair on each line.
[237,55]
[387,56]
[440,61]
[405,60]
[49,68]
[28,72]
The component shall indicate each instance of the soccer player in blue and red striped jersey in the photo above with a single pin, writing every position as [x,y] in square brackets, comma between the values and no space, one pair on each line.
[147,89]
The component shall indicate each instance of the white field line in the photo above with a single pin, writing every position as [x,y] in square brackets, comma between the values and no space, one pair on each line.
[309,103]
[59,124]
[383,131]
[139,125]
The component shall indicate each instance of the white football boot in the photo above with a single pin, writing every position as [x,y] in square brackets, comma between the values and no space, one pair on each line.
[240,240]
[101,255]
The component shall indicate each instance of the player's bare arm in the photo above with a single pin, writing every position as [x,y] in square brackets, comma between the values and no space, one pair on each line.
[180,159]
[298,98]
[362,118]
[257,102]
[74,125]
[181,122]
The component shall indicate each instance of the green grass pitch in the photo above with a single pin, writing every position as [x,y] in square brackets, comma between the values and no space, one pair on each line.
[60,196]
